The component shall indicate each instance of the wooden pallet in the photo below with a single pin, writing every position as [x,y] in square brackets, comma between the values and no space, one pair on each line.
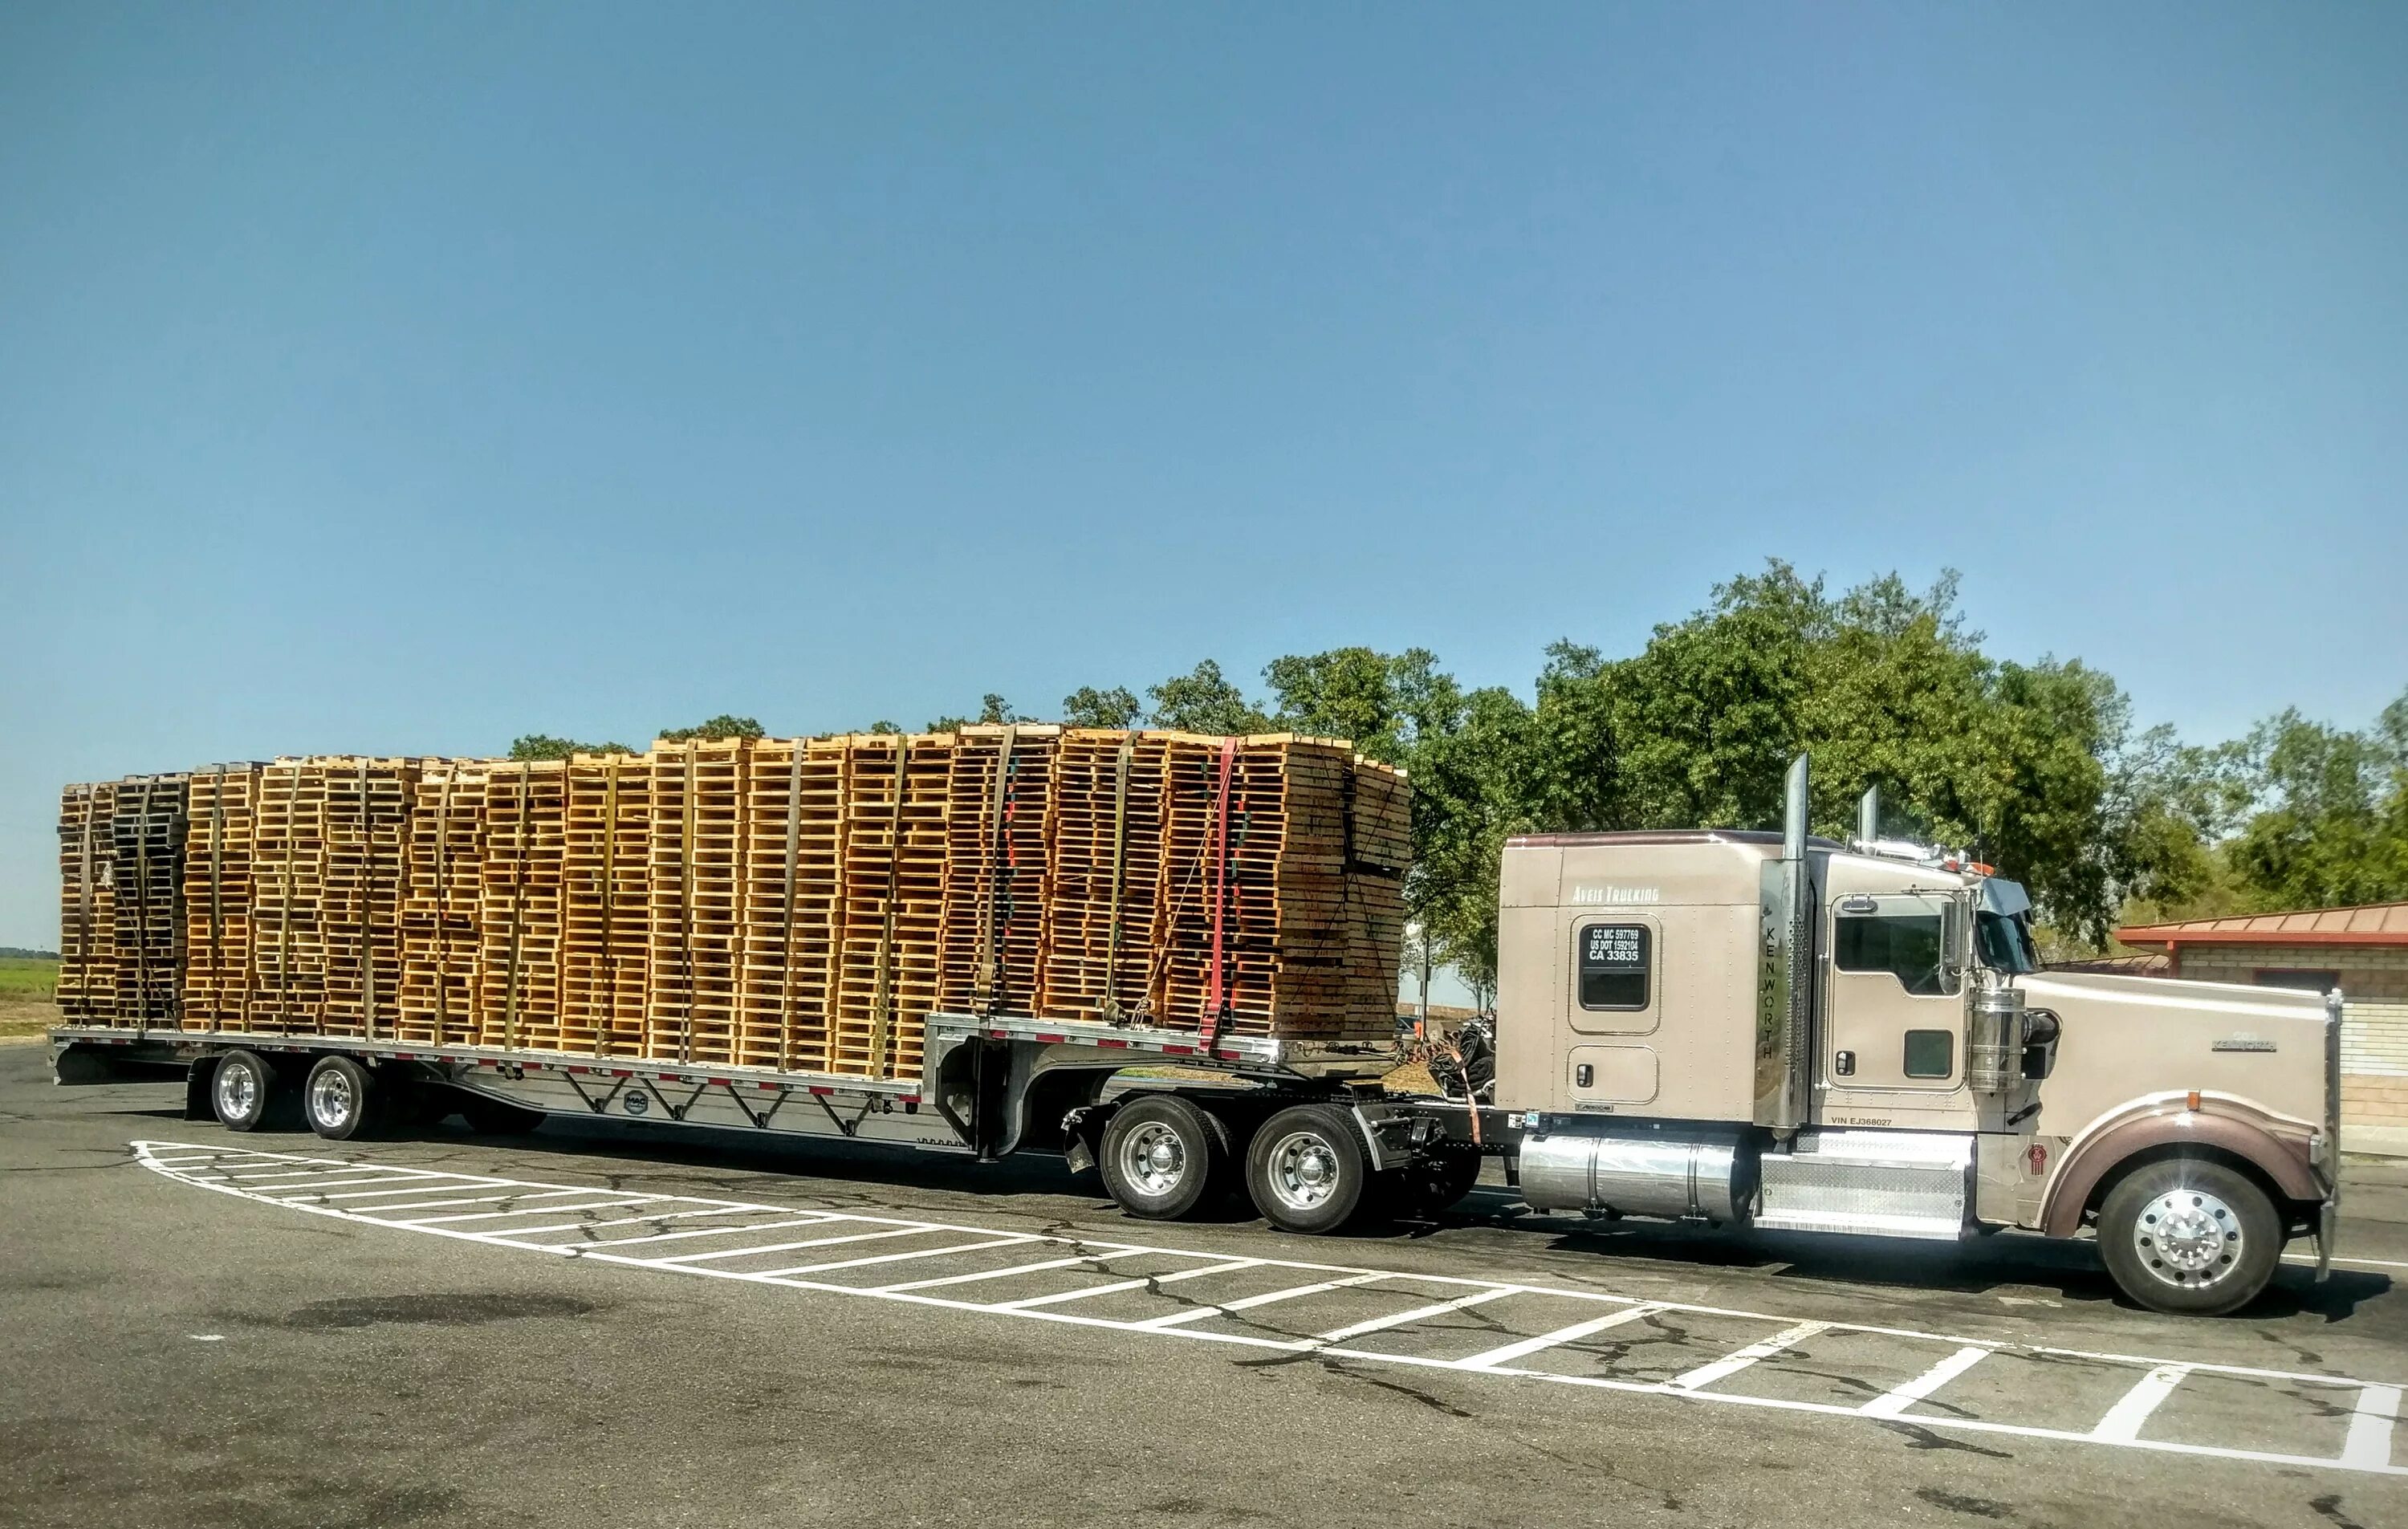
[441,922]
[607,889]
[791,892]
[696,941]
[997,869]
[1104,895]
[87,990]
[217,970]
[366,811]
[518,905]
[897,805]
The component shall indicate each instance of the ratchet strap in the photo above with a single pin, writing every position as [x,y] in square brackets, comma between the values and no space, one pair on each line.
[685,910]
[284,920]
[882,1004]
[996,887]
[142,907]
[442,911]
[607,1009]
[1113,1012]
[518,904]
[83,920]
[1216,1003]
[786,947]
[367,910]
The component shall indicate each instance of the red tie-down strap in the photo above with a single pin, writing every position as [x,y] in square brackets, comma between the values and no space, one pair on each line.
[1216,1007]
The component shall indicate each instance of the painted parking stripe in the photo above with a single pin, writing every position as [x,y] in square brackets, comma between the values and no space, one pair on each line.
[2367,1450]
[1572,1334]
[1419,1313]
[1893,1402]
[1058,1297]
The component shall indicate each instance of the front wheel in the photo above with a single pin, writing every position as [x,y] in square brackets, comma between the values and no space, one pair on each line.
[2190,1238]
[1307,1168]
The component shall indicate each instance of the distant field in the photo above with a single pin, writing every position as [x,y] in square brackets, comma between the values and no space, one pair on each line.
[27,988]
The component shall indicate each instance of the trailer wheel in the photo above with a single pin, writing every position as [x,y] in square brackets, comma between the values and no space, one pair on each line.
[246,1091]
[1307,1168]
[2189,1236]
[343,1100]
[1162,1155]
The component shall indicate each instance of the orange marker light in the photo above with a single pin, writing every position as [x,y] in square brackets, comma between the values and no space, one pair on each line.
[2194,1098]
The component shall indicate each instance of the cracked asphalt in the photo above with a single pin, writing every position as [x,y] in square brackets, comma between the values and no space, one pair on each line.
[176,1357]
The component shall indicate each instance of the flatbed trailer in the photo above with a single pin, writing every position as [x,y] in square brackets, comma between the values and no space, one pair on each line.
[990,1086]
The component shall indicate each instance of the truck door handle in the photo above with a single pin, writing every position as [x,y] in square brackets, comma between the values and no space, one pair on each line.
[1845,1063]
[1583,1074]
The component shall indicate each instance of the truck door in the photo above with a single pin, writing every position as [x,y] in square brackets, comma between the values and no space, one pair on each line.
[1896,1019]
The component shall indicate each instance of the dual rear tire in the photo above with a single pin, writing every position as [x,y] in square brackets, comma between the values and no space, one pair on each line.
[1306,1167]
[343,1100]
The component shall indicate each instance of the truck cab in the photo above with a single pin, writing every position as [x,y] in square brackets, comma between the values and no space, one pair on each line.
[1790,1032]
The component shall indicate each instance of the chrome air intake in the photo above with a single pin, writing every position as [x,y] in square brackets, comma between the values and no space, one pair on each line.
[1994,1047]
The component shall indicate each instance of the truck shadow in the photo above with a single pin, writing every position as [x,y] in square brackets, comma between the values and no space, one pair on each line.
[2004,1264]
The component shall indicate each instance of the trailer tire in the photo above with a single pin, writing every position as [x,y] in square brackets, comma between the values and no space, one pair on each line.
[247,1093]
[2189,1236]
[1308,1170]
[1162,1156]
[344,1101]
[489,1117]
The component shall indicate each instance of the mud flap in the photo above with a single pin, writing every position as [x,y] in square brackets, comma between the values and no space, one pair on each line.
[197,1078]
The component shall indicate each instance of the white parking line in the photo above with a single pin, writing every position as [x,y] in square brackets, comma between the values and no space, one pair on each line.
[1893,1402]
[784,1246]
[1148,1283]
[2366,1447]
[498,1215]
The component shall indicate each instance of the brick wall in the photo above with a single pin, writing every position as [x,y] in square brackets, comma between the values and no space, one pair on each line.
[2375,1014]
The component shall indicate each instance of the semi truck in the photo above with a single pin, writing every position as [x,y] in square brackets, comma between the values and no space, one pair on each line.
[1757,1029]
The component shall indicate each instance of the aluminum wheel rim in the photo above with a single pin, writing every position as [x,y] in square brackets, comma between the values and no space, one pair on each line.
[2188,1238]
[237,1090]
[1303,1170]
[330,1098]
[1154,1157]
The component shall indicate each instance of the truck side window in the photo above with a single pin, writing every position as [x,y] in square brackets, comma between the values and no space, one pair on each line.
[1902,941]
[1612,960]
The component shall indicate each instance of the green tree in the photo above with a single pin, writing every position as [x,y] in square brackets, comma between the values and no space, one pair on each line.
[544,746]
[715,729]
[1385,703]
[992,709]
[1202,701]
[2331,828]
[1088,706]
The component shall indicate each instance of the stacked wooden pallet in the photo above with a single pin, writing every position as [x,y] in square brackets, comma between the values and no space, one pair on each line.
[1106,869]
[217,977]
[288,870]
[367,805]
[518,905]
[440,910]
[607,921]
[695,951]
[998,873]
[1382,853]
[898,799]
[87,991]
[146,862]
[793,887]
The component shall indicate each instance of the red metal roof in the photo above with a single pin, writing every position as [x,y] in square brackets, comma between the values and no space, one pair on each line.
[2378,923]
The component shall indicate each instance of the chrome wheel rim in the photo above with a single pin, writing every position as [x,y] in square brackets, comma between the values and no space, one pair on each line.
[1154,1157]
[238,1092]
[1303,1170]
[2188,1238]
[330,1098]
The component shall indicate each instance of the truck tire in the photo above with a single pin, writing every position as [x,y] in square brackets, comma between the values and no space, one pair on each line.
[491,1117]
[1162,1155]
[1308,1170]
[2189,1236]
[342,1100]
[246,1091]
[1436,1179]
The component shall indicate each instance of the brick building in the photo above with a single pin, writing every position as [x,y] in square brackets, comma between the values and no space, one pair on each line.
[2362,951]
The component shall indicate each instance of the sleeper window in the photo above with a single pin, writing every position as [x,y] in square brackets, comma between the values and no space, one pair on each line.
[1614,965]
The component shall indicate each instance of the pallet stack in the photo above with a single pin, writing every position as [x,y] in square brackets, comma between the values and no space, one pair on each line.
[998,873]
[367,804]
[87,991]
[1382,853]
[696,944]
[898,799]
[217,975]
[793,835]
[288,883]
[518,905]
[607,921]
[1106,869]
[440,910]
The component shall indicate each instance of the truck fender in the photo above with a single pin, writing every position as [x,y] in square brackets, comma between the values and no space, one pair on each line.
[2218,1122]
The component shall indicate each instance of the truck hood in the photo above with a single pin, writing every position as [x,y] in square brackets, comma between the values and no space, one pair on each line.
[2127,1037]
[2240,1002]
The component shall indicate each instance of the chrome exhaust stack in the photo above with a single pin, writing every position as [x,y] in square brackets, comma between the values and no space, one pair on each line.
[1784,1015]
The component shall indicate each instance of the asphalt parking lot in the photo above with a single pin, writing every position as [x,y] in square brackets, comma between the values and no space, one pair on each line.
[599,1323]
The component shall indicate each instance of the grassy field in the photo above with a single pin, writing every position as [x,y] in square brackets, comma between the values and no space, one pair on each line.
[27,989]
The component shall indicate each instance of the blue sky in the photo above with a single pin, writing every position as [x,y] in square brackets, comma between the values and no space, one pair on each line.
[403,378]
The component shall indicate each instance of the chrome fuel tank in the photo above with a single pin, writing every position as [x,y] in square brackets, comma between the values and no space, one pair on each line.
[1683,1178]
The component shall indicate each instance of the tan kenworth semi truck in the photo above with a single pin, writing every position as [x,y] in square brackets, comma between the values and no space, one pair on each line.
[1744,1029]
